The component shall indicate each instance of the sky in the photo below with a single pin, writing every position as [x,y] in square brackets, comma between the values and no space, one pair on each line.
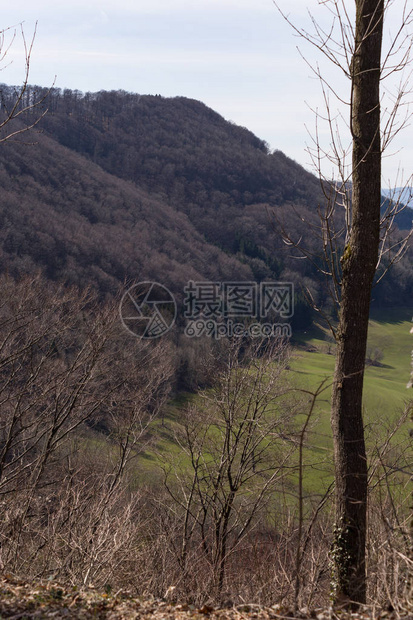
[239,57]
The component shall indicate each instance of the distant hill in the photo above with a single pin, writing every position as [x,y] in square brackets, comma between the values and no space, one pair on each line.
[402,194]
[85,226]
[121,187]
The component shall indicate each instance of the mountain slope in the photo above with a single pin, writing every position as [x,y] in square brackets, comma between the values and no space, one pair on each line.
[123,187]
[82,225]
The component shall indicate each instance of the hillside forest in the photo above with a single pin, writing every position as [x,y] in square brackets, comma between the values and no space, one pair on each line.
[195,469]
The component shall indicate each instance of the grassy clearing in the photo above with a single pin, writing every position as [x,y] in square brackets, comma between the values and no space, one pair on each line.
[385,385]
[385,393]
[313,362]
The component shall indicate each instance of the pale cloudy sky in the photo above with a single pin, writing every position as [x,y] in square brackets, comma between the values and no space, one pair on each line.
[237,56]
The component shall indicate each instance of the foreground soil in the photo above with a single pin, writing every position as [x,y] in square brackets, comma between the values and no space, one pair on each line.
[22,600]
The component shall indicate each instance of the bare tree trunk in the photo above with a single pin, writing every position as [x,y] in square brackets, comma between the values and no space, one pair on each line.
[358,266]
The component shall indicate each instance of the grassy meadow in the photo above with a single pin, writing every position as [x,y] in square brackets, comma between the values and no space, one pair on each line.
[385,393]
[385,397]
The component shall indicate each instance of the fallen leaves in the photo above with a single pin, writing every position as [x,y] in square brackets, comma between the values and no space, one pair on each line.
[21,600]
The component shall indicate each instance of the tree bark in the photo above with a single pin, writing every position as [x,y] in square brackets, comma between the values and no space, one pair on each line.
[358,263]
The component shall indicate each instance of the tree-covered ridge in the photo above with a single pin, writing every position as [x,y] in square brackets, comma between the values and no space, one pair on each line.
[120,187]
[162,143]
[82,225]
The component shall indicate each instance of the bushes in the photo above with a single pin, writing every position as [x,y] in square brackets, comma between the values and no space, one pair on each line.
[225,523]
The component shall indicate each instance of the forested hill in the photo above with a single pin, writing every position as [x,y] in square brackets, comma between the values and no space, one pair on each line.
[121,187]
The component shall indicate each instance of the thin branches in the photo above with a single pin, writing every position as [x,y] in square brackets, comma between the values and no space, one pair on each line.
[20,108]
[331,142]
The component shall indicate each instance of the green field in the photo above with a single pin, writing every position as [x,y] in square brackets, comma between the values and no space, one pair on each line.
[385,392]
[385,396]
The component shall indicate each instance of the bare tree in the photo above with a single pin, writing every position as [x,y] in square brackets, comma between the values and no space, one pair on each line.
[69,377]
[352,218]
[21,107]
[236,445]
[51,367]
